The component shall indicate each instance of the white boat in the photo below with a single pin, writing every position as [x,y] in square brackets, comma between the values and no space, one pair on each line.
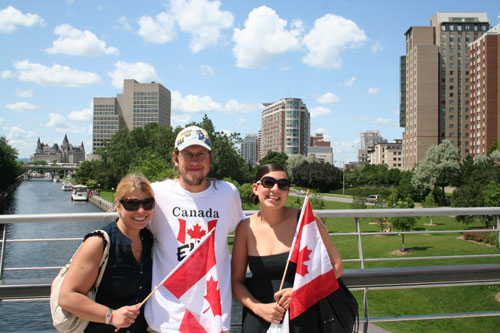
[66,186]
[79,193]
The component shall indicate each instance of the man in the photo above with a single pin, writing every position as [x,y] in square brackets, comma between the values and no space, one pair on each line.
[187,208]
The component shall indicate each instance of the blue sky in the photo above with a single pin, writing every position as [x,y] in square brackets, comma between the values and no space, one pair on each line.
[220,58]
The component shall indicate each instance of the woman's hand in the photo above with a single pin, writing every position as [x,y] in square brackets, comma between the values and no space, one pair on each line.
[283,297]
[270,312]
[125,316]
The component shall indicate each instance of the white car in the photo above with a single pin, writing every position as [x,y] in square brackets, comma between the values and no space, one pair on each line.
[372,198]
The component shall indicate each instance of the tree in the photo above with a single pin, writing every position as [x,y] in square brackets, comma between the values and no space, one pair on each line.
[323,177]
[439,167]
[494,147]
[403,223]
[429,202]
[295,161]
[9,168]
[274,157]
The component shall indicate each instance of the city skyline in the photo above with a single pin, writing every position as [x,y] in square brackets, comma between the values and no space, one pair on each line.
[219,58]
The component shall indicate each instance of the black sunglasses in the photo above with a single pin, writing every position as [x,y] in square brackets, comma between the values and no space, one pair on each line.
[269,182]
[133,204]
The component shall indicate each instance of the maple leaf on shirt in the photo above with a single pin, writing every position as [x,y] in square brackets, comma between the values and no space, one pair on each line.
[303,257]
[213,297]
[196,232]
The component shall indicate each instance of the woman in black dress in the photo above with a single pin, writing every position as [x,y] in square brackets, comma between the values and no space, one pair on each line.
[263,242]
[127,277]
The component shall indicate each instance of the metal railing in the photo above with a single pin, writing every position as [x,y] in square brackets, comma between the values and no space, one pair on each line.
[363,279]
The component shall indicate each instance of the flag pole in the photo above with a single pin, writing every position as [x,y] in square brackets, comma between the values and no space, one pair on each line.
[175,269]
[293,243]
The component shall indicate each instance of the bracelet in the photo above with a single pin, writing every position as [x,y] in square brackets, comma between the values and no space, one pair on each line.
[109,315]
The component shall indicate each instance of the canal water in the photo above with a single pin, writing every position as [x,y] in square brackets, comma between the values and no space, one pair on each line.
[41,196]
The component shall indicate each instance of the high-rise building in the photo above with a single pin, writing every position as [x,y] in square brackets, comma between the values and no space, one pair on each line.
[435,78]
[484,118]
[140,104]
[368,139]
[285,127]
[320,149]
[249,149]
[387,153]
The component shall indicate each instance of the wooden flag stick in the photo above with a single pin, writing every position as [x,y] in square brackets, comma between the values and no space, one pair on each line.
[288,261]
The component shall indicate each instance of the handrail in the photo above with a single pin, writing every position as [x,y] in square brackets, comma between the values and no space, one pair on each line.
[364,279]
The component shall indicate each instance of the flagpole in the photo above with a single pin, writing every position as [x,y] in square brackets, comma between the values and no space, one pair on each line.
[174,270]
[293,242]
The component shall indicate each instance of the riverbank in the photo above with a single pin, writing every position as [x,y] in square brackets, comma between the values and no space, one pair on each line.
[101,203]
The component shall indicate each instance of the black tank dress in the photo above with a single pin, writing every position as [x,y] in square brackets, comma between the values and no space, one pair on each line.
[267,272]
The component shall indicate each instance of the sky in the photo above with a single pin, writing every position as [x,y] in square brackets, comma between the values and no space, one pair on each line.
[219,58]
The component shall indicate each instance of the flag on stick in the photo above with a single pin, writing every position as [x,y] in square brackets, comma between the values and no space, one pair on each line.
[195,283]
[315,277]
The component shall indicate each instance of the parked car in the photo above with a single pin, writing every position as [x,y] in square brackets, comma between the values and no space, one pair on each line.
[372,198]
[301,192]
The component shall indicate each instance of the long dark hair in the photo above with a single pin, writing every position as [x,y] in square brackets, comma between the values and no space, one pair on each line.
[264,170]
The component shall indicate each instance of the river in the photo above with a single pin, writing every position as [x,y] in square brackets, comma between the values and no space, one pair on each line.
[41,196]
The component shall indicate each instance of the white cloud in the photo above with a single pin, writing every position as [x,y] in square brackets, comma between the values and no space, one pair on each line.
[75,42]
[203,19]
[139,71]
[241,121]
[263,37]
[377,121]
[328,98]
[30,93]
[82,115]
[207,70]
[61,125]
[331,35]
[123,24]
[16,134]
[158,30]
[57,75]
[373,90]
[180,120]
[319,111]
[349,83]
[11,18]
[21,106]
[233,106]
[377,47]
[193,104]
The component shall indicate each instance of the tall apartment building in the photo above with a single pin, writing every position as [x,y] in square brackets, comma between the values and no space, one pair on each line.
[249,149]
[140,104]
[484,74]
[435,103]
[368,139]
[285,127]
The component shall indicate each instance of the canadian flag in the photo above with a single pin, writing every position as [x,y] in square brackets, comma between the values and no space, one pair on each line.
[315,277]
[195,283]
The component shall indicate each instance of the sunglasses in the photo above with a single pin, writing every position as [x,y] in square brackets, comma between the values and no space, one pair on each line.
[133,204]
[269,182]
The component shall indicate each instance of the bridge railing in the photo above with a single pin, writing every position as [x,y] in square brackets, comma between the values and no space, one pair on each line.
[364,279]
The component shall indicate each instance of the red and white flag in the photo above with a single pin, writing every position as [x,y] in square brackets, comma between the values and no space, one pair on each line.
[195,283]
[315,277]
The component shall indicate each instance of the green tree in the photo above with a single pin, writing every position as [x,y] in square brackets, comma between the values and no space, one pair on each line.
[323,177]
[294,162]
[153,167]
[429,202]
[403,223]
[274,157]
[492,195]
[9,168]
[439,168]
[493,147]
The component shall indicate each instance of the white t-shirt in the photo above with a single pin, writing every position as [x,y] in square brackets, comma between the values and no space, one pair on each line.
[180,219]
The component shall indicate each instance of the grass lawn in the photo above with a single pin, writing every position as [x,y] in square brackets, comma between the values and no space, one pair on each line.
[108,195]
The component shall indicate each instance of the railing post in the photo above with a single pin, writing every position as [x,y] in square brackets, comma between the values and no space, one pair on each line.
[2,253]
[360,247]
[498,231]
[365,305]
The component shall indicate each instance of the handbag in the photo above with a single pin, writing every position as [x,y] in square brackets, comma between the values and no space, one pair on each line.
[339,311]
[63,320]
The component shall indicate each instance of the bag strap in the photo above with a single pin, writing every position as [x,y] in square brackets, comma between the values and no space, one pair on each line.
[104,258]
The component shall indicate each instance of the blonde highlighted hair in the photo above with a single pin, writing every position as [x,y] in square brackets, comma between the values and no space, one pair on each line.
[130,183]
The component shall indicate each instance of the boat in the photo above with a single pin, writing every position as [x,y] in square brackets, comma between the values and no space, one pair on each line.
[79,193]
[67,186]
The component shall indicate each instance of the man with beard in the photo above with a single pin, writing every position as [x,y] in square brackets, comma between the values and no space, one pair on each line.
[187,208]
